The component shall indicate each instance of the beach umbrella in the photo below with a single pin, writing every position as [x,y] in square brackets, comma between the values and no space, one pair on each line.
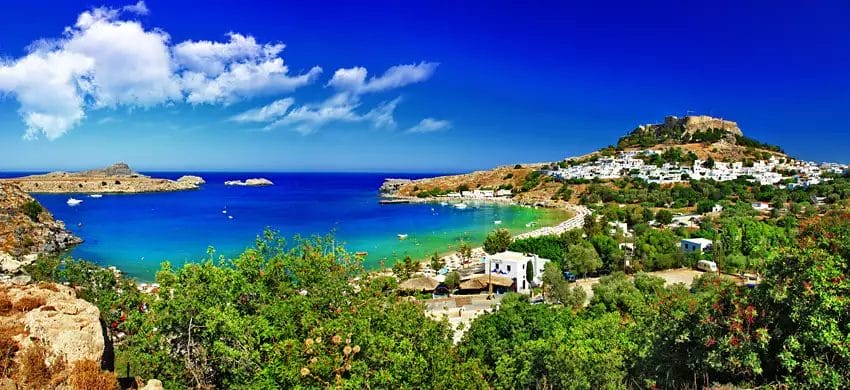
[419,284]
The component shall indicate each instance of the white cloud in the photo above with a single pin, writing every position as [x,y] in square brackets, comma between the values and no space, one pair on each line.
[107,59]
[430,125]
[338,108]
[225,72]
[133,66]
[244,80]
[212,58]
[140,8]
[267,113]
[47,87]
[354,79]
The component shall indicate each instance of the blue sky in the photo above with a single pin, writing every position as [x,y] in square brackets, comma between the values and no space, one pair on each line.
[426,86]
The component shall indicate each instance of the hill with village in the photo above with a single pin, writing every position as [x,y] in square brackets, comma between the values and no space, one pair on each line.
[676,150]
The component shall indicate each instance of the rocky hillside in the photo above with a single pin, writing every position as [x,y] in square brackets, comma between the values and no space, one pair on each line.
[704,136]
[27,229]
[49,337]
[691,130]
[117,178]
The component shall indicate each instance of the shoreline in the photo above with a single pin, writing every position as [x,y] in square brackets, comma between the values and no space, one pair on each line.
[453,261]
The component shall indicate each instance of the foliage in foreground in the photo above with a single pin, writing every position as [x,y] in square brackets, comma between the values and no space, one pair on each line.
[792,329]
[291,317]
[306,316]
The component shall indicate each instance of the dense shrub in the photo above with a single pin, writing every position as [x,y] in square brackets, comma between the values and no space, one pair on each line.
[33,209]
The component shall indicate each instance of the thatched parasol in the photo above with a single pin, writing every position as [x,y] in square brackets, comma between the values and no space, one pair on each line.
[479,282]
[419,284]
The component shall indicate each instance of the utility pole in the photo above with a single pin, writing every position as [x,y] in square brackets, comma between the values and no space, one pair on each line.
[489,280]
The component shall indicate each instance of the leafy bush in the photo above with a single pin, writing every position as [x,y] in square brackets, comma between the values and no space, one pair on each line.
[497,241]
[33,209]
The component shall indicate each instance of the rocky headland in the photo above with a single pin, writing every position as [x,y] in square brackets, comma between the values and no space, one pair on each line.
[27,229]
[117,178]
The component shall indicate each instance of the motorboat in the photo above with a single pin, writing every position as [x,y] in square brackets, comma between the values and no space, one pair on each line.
[461,206]
[402,236]
[497,222]
[95,196]
[73,202]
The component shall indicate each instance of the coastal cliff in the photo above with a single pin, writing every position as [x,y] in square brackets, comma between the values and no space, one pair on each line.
[27,229]
[117,178]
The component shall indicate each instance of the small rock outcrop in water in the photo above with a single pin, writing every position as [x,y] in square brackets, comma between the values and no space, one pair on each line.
[249,182]
[52,314]
[27,229]
[391,186]
[196,180]
[117,178]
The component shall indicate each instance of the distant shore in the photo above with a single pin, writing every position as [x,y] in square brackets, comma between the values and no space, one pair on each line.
[117,178]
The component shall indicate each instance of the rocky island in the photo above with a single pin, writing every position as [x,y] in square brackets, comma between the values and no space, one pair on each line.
[117,178]
[250,182]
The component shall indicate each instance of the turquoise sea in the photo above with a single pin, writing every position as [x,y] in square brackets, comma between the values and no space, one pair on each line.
[137,232]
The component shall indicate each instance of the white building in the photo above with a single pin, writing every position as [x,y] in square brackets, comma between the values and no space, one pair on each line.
[503,193]
[696,245]
[761,206]
[514,265]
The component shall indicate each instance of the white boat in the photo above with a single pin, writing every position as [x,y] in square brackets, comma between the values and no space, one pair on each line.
[460,206]
[95,196]
[444,203]
[73,202]
[530,224]
[224,211]
[497,222]
[402,236]
[229,217]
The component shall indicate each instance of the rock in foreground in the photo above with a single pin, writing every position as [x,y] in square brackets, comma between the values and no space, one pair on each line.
[52,315]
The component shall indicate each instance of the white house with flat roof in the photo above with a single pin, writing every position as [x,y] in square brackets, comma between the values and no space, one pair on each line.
[696,245]
[514,265]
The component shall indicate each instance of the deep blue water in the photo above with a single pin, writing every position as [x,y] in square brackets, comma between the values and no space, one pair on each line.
[139,231]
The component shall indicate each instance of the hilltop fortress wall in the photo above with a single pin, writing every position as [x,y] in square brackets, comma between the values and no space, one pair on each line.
[696,123]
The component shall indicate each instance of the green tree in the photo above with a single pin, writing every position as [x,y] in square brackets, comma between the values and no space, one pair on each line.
[437,261]
[280,316]
[664,217]
[582,259]
[452,279]
[465,250]
[497,241]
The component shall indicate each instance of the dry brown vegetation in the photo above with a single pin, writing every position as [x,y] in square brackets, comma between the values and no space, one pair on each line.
[490,179]
[28,303]
[87,375]
[5,303]
[33,371]
[48,286]
[8,348]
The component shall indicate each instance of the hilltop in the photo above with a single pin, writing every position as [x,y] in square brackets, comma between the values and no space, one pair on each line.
[116,178]
[676,140]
